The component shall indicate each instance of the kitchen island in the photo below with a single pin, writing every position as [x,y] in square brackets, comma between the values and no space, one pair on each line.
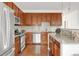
[68,46]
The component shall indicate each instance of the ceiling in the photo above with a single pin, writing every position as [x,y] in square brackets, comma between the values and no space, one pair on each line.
[46,6]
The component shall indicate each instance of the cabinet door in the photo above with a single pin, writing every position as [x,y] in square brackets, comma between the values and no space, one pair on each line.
[59,19]
[16,11]
[23,19]
[17,46]
[48,17]
[56,48]
[44,50]
[28,38]
[39,18]
[56,52]
[43,17]
[56,19]
[34,19]
[50,45]
[53,19]
[10,4]
[28,19]
[44,38]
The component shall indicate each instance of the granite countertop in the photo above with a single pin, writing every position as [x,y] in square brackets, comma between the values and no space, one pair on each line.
[63,39]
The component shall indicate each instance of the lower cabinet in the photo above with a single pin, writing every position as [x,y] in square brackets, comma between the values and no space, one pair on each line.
[50,46]
[54,46]
[28,38]
[17,46]
[44,38]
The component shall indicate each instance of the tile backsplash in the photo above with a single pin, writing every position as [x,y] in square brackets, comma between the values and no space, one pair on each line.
[44,27]
[37,28]
[74,34]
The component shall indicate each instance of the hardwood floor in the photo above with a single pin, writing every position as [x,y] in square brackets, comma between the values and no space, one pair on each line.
[35,50]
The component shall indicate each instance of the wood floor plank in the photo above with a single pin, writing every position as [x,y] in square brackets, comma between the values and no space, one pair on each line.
[30,50]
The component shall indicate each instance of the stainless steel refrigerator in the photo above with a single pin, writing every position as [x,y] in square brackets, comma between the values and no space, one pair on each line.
[6,32]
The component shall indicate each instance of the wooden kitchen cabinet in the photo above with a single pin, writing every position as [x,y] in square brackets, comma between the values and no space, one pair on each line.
[48,18]
[28,38]
[28,19]
[34,19]
[21,16]
[10,4]
[44,38]
[53,19]
[16,11]
[39,18]
[56,19]
[50,45]
[56,48]
[43,17]
[23,19]
[17,46]
[44,50]
[59,19]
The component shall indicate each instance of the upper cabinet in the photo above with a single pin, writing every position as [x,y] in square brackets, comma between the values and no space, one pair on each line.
[10,4]
[39,18]
[48,17]
[22,18]
[43,15]
[56,19]
[28,19]
[17,12]
[34,19]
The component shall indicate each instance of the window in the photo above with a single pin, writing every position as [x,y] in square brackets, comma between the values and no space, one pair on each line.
[37,38]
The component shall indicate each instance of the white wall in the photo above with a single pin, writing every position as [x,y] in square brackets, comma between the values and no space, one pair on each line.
[72,19]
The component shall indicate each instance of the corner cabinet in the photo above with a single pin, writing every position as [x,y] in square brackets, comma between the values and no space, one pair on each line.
[17,46]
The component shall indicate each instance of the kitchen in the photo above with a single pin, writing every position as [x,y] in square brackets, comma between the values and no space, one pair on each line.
[52,29]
